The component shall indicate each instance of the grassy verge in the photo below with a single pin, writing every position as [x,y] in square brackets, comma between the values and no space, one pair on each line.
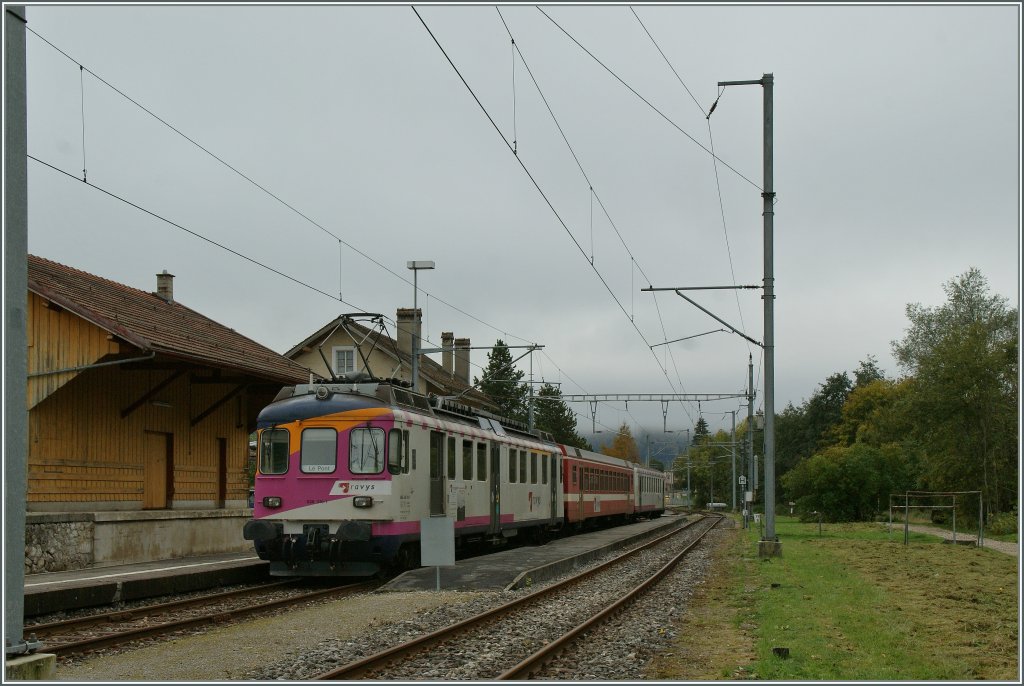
[853,604]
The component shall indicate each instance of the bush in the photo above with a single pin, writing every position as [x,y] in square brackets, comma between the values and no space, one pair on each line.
[1002,523]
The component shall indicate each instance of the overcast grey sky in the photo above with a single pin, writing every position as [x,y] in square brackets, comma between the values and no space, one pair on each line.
[897,160]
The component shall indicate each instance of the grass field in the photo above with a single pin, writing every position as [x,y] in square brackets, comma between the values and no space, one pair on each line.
[851,604]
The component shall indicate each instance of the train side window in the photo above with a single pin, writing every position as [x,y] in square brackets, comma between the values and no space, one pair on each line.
[274,451]
[574,475]
[533,468]
[512,466]
[412,462]
[395,454]
[319,451]
[451,457]
[481,462]
[366,451]
[467,460]
[522,466]
[544,469]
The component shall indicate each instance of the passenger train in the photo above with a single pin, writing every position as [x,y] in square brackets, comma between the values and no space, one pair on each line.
[347,470]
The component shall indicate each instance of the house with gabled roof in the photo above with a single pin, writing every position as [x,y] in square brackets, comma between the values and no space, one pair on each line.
[344,346]
[140,409]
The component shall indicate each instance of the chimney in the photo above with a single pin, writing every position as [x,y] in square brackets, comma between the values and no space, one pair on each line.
[447,342]
[407,323]
[462,360]
[165,286]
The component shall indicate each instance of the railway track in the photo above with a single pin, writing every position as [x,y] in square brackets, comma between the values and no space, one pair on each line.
[106,630]
[523,624]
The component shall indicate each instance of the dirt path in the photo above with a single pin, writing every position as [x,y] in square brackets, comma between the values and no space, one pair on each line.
[1001,546]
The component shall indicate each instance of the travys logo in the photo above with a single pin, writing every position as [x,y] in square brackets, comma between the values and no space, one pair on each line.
[347,488]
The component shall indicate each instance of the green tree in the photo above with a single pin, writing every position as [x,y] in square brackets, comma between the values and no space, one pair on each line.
[502,383]
[963,400]
[867,371]
[825,410]
[623,445]
[849,483]
[551,414]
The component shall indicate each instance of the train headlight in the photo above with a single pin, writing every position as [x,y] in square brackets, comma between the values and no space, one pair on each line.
[362,501]
[272,501]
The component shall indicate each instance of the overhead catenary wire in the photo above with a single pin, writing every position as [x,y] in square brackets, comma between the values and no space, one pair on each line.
[83,69]
[594,196]
[189,231]
[340,241]
[81,84]
[527,171]
[714,159]
[646,101]
[695,102]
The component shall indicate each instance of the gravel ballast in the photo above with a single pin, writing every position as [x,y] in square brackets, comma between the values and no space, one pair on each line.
[299,643]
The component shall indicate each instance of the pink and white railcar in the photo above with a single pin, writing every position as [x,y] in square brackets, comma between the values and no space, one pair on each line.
[347,471]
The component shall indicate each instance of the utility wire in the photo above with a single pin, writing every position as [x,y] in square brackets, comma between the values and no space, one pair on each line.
[525,169]
[668,63]
[81,84]
[714,160]
[260,187]
[725,231]
[593,196]
[341,241]
[339,298]
[646,101]
[189,231]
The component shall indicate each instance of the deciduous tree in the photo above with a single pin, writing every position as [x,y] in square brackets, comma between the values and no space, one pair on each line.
[962,356]
[623,445]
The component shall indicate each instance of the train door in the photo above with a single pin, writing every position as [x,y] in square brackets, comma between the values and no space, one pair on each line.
[495,498]
[583,487]
[553,476]
[436,473]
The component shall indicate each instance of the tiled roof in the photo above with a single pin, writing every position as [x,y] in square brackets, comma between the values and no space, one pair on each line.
[150,323]
[429,369]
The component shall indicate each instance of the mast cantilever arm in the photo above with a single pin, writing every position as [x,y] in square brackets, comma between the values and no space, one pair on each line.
[718,319]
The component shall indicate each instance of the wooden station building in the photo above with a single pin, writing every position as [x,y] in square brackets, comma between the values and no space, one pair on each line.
[140,410]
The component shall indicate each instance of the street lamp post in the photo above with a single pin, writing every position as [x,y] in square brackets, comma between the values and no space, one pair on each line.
[416,266]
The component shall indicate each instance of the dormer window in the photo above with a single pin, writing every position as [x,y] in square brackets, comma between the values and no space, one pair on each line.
[344,360]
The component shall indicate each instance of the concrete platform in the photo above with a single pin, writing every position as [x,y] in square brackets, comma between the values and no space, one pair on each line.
[35,667]
[522,566]
[56,591]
